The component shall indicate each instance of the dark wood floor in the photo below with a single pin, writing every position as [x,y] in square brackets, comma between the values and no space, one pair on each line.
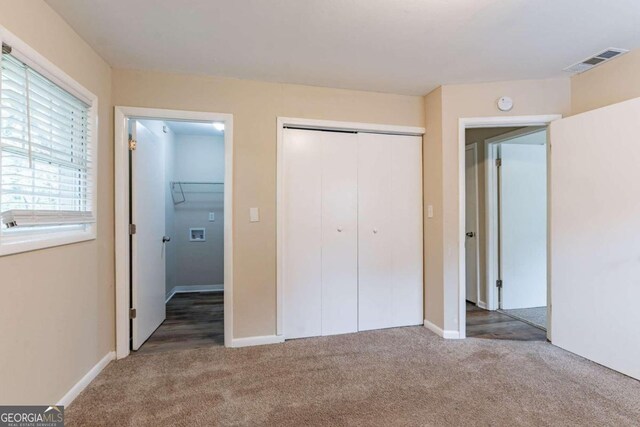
[497,326]
[194,320]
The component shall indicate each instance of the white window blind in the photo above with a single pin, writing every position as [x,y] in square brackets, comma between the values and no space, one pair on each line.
[45,151]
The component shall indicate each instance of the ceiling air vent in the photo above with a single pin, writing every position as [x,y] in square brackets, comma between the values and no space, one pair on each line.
[595,60]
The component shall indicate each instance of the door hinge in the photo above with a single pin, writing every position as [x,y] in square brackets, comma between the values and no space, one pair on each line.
[132,313]
[498,162]
[132,229]
[132,144]
[499,283]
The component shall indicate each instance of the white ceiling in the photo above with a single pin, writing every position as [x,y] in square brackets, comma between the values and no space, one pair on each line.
[193,128]
[399,46]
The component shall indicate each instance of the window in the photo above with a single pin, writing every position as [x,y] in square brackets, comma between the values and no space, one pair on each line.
[47,191]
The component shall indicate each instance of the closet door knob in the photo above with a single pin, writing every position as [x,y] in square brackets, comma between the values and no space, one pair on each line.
[339,229]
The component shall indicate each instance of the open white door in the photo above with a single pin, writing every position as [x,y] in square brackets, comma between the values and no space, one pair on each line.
[471,222]
[523,222]
[595,248]
[147,250]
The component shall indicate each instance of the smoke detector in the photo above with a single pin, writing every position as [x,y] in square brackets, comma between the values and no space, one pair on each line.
[595,60]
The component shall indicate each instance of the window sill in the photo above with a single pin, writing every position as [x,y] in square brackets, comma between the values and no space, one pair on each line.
[15,245]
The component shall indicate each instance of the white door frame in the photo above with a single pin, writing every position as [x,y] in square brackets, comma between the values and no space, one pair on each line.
[281,123]
[121,152]
[482,122]
[474,147]
[491,202]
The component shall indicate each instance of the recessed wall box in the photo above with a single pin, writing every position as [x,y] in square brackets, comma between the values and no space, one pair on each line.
[197,235]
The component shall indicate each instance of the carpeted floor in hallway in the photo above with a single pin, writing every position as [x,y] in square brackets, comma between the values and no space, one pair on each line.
[404,377]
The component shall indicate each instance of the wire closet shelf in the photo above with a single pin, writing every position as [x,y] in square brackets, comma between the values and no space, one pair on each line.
[180,189]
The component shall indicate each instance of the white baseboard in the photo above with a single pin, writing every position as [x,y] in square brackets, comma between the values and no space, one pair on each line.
[86,380]
[482,305]
[433,327]
[251,341]
[193,288]
[450,335]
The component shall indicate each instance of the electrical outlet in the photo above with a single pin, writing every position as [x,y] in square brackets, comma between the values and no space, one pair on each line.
[254,214]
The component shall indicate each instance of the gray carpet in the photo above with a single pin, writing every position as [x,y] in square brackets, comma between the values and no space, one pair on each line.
[535,315]
[404,376]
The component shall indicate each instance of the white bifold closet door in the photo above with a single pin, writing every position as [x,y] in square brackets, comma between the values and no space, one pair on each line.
[339,233]
[320,265]
[390,231]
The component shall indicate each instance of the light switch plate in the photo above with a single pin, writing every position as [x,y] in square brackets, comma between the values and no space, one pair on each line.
[212,216]
[430,211]
[254,214]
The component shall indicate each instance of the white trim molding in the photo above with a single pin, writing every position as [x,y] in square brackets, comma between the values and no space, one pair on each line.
[491,224]
[184,289]
[464,124]
[290,122]
[251,341]
[348,126]
[474,147]
[449,335]
[86,379]
[121,152]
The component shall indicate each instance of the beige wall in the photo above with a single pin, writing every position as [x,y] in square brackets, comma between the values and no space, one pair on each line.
[57,305]
[478,136]
[531,97]
[432,187]
[607,84]
[255,107]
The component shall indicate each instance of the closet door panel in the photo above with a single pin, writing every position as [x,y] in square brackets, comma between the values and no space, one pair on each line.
[406,206]
[339,233]
[375,230]
[301,252]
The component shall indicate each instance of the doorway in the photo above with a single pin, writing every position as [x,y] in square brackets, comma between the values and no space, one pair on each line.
[177,246]
[519,253]
[173,229]
[517,208]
